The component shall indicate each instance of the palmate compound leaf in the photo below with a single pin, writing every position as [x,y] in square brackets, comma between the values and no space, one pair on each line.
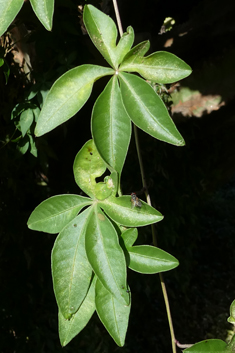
[88,165]
[106,255]
[67,96]
[113,314]
[111,126]
[68,329]
[71,270]
[53,214]
[120,210]
[44,10]
[146,109]
[149,259]
[160,67]
[208,346]
[103,33]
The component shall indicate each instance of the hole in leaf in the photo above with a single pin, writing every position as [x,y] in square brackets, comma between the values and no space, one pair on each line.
[101,178]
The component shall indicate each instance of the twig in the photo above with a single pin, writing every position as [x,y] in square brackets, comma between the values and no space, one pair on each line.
[115,5]
[9,139]
[183,345]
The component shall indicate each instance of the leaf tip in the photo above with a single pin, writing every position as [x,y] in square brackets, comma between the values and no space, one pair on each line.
[63,342]
[29,225]
[181,142]
[39,132]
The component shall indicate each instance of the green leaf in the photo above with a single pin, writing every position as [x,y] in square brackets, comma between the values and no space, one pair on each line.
[8,10]
[111,126]
[120,210]
[6,71]
[68,329]
[231,345]
[129,236]
[147,110]
[67,96]
[103,33]
[36,112]
[231,318]
[33,147]
[53,214]
[23,144]
[1,61]
[71,270]
[18,109]
[112,314]
[26,120]
[138,51]
[207,346]
[105,255]
[149,259]
[88,165]
[160,67]
[112,181]
[44,10]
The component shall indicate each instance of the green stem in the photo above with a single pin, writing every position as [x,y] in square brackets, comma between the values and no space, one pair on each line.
[154,236]
[8,140]
[115,5]
[168,310]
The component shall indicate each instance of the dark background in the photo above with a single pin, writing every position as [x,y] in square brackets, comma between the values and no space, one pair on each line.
[193,186]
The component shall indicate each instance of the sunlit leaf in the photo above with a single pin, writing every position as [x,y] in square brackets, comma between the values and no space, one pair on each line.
[8,10]
[147,110]
[129,236]
[112,313]
[160,67]
[71,270]
[56,212]
[88,165]
[105,255]
[111,126]
[44,10]
[68,329]
[208,346]
[149,259]
[138,51]
[103,32]
[231,318]
[67,96]
[231,345]
[121,211]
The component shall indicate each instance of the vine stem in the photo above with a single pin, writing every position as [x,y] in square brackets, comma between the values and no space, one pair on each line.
[154,236]
[119,23]
[145,186]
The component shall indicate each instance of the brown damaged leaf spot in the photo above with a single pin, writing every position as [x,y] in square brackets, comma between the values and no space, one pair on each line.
[195,104]
[101,216]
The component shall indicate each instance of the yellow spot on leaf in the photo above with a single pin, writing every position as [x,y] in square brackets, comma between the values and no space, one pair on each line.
[101,217]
